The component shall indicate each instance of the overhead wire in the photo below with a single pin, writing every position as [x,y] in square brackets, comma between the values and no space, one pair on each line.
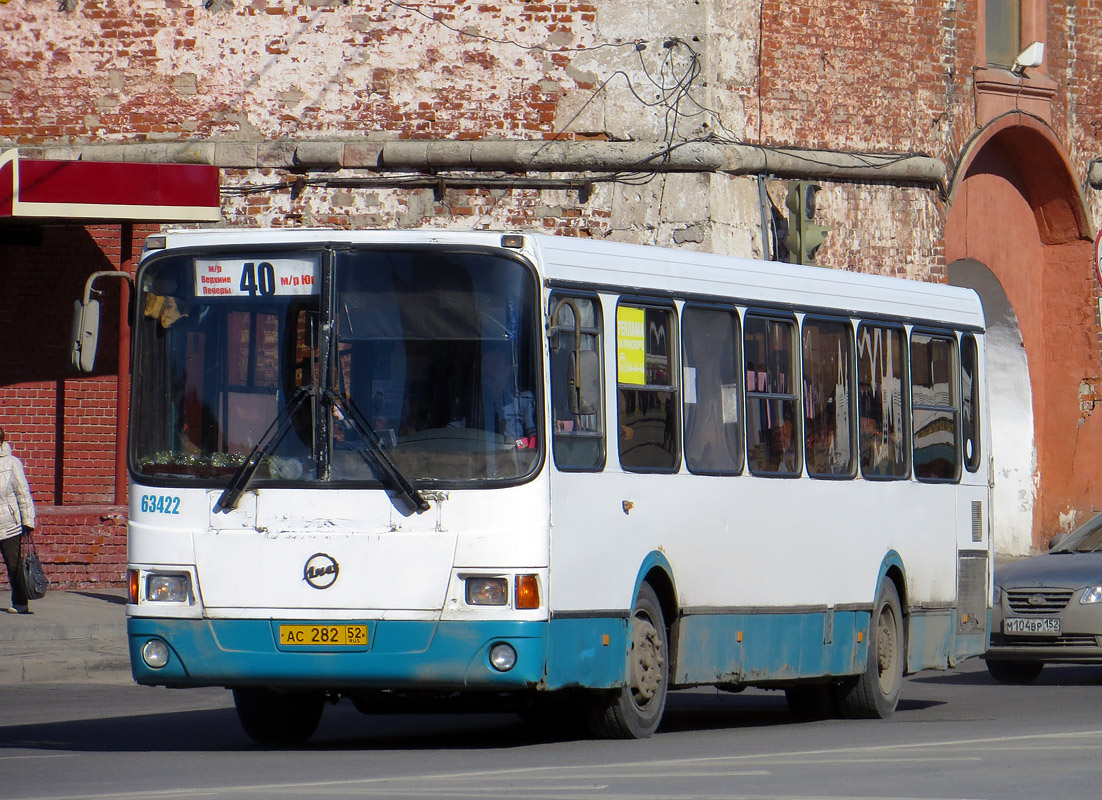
[674,82]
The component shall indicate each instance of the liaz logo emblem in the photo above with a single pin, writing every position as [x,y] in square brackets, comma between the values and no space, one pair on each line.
[321,570]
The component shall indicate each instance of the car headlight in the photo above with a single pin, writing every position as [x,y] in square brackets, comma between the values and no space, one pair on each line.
[167,588]
[996,595]
[1092,595]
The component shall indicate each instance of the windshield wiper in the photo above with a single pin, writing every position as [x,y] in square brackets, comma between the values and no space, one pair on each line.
[376,452]
[275,433]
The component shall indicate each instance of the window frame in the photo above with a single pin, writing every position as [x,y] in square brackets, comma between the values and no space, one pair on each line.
[597,331]
[949,336]
[668,307]
[794,396]
[851,377]
[740,383]
[973,462]
[905,400]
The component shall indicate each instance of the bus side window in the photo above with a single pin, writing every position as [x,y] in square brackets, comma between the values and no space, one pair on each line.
[934,395]
[578,439]
[828,398]
[970,401]
[882,401]
[711,391]
[772,418]
[647,401]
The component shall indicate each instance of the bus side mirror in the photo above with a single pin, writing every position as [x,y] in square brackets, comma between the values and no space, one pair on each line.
[85,336]
[585,382]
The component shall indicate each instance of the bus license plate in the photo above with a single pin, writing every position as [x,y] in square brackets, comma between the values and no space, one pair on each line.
[1048,626]
[323,635]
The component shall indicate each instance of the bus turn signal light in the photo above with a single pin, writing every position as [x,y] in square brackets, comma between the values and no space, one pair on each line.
[132,579]
[528,592]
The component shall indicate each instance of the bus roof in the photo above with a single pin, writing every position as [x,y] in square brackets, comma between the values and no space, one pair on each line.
[647,269]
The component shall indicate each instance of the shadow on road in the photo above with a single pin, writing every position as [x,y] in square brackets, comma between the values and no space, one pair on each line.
[345,728]
[1051,675]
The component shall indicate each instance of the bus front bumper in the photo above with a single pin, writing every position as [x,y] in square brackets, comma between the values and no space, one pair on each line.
[456,655]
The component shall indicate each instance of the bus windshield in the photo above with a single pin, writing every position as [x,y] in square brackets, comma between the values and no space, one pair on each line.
[339,366]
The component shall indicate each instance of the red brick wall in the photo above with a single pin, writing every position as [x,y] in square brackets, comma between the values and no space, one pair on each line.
[61,426]
[80,546]
[857,74]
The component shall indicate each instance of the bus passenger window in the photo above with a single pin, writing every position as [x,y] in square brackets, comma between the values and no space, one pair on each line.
[772,437]
[578,439]
[647,402]
[970,401]
[882,401]
[934,394]
[713,429]
[828,397]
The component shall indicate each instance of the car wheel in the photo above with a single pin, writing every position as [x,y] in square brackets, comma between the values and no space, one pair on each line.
[1014,672]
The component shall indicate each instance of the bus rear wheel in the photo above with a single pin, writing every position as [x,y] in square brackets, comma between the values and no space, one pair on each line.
[274,718]
[874,693]
[634,711]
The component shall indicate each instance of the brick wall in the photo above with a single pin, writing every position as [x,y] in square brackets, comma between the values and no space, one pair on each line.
[80,546]
[61,426]
[859,74]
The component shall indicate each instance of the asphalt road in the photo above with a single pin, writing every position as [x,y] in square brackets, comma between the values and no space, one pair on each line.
[955,735]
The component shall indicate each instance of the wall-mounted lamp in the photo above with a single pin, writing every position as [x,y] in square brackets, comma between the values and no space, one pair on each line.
[1029,58]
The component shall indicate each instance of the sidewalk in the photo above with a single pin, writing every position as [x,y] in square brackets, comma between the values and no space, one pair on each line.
[74,635]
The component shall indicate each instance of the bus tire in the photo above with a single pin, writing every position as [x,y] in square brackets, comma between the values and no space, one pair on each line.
[874,693]
[1015,672]
[277,719]
[634,711]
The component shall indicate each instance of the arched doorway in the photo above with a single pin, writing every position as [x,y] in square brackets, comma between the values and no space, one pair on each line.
[1018,232]
[1010,409]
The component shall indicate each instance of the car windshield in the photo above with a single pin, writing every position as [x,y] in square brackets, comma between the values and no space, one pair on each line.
[1087,538]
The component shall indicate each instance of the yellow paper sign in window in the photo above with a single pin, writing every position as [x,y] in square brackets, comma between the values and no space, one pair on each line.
[631,345]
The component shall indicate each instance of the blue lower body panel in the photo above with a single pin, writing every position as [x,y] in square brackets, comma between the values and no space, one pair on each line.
[770,647]
[399,655]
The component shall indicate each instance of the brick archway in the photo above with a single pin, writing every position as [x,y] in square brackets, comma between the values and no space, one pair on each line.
[1015,208]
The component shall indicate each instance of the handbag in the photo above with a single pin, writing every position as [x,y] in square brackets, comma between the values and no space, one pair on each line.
[34,577]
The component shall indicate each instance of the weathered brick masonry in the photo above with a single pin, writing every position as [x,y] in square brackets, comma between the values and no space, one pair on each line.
[862,75]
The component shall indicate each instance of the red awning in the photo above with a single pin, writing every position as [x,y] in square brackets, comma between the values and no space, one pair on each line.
[32,189]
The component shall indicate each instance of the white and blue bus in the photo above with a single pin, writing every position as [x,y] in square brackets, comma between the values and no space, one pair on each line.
[505,468]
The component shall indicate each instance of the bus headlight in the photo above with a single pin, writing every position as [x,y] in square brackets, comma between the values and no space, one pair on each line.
[483,591]
[167,588]
[155,653]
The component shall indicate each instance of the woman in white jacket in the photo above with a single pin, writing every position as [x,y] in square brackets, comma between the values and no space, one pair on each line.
[16,518]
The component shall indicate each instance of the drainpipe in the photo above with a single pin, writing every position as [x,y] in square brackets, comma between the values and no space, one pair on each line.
[126,264]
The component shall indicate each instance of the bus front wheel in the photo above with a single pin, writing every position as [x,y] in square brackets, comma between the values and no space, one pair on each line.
[278,718]
[634,711]
[874,693]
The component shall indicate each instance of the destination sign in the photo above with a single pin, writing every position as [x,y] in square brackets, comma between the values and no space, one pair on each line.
[273,277]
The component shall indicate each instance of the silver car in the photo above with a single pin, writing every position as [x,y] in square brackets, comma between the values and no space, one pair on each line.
[1048,609]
